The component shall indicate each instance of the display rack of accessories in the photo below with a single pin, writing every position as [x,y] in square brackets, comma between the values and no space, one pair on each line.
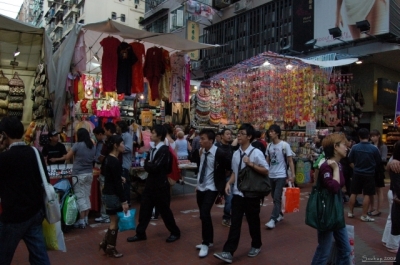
[193,103]
[149,112]
[17,90]
[127,108]
[4,90]
[42,106]
[102,108]
[391,138]
[203,103]
[215,106]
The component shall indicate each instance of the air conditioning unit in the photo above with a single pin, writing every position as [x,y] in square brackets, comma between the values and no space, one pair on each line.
[240,6]
[196,65]
[222,3]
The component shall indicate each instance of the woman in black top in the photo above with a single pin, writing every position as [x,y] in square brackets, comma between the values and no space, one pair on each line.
[113,193]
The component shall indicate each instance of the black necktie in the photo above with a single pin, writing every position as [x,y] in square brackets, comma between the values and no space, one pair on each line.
[203,168]
[153,150]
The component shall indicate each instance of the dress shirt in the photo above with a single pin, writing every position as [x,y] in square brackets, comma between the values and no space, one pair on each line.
[208,182]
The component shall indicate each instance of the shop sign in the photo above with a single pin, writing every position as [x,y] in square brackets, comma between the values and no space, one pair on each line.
[193,33]
[350,12]
[387,91]
[303,23]
[397,113]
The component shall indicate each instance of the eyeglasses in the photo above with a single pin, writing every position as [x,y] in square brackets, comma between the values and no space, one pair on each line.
[239,133]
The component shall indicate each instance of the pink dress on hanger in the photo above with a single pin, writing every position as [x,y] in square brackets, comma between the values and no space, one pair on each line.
[179,63]
[80,54]
[109,63]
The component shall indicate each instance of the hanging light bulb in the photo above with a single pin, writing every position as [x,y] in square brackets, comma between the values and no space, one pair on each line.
[96,57]
[17,52]
[195,87]
[289,66]
[141,96]
[266,63]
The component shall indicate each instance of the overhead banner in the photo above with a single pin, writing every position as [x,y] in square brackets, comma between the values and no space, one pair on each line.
[303,21]
[350,12]
[397,113]
[193,34]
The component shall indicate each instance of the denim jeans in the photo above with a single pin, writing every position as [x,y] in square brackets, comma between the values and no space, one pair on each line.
[31,232]
[228,204]
[323,250]
[205,201]
[277,185]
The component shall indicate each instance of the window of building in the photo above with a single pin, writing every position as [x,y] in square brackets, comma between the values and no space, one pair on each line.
[159,26]
[113,15]
[122,17]
[176,19]
[136,2]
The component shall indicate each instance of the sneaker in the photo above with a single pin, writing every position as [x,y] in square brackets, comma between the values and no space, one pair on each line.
[199,245]
[367,219]
[254,252]
[270,224]
[280,218]
[225,256]
[80,224]
[226,223]
[103,219]
[203,251]
[154,218]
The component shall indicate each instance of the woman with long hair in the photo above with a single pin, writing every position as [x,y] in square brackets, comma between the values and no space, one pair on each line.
[331,178]
[83,152]
[376,140]
[113,194]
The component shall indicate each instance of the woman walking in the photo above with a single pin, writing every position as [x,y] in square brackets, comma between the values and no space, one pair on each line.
[83,152]
[331,178]
[113,194]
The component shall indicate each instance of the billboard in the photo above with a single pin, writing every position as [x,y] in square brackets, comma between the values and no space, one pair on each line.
[344,14]
[387,93]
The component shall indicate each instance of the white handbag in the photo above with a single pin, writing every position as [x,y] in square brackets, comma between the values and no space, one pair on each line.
[51,203]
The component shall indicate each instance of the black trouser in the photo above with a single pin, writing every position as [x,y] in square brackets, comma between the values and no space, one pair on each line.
[205,201]
[184,115]
[127,184]
[250,207]
[159,198]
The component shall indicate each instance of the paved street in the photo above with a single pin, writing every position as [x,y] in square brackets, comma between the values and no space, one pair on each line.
[291,242]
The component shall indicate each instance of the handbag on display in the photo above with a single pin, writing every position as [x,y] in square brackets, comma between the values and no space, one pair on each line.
[15,99]
[16,81]
[324,210]
[3,79]
[17,91]
[251,183]
[51,203]
[44,137]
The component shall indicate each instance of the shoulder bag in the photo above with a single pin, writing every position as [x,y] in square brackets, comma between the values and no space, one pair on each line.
[51,203]
[250,182]
[324,210]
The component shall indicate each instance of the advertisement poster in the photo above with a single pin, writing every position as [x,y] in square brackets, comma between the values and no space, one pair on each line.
[303,21]
[397,113]
[326,16]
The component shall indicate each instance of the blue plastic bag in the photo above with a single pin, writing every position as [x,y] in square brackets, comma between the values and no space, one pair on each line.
[127,221]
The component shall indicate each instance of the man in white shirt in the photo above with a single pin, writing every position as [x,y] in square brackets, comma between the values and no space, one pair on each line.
[279,156]
[210,180]
[250,206]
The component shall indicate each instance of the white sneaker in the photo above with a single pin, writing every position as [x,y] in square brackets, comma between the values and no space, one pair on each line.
[203,251]
[199,245]
[270,224]
[103,219]
[280,218]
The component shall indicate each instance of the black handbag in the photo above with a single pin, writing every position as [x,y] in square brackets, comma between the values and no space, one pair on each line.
[251,183]
[44,136]
[324,210]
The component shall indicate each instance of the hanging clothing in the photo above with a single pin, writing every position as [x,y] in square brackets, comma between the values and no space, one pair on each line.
[79,59]
[137,68]
[154,69]
[164,86]
[187,81]
[179,62]
[109,64]
[126,58]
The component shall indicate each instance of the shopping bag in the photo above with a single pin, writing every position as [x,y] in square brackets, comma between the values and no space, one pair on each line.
[53,236]
[333,254]
[290,199]
[70,209]
[127,220]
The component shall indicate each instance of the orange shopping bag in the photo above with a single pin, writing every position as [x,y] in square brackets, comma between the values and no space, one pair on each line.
[290,199]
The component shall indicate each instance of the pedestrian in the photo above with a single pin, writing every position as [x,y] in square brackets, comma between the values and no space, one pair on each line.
[395,188]
[279,157]
[156,193]
[123,130]
[376,140]
[109,130]
[331,178]
[54,151]
[241,205]
[365,158]
[224,144]
[83,152]
[182,149]
[21,196]
[113,194]
[257,143]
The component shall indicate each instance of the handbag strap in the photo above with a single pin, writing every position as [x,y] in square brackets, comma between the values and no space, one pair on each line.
[42,174]
[241,158]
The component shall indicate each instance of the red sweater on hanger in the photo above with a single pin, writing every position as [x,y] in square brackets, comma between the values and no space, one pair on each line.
[154,69]
[109,63]
[137,69]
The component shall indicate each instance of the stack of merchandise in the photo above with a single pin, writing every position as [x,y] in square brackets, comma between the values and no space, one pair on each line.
[203,103]
[215,114]
[193,102]
[39,94]
[16,96]
[4,90]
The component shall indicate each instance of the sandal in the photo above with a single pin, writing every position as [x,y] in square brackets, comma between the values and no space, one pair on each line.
[350,215]
[367,219]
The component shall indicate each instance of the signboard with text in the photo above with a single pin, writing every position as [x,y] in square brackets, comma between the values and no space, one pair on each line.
[193,34]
